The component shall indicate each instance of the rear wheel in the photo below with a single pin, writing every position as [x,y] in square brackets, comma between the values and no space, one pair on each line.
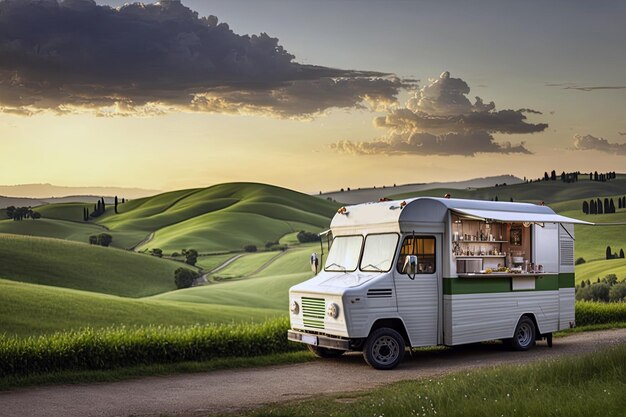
[322,352]
[384,349]
[524,336]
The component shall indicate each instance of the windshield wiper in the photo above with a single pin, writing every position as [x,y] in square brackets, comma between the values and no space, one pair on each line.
[337,265]
[373,266]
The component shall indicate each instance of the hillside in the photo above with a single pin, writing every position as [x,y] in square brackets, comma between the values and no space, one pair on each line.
[79,266]
[224,217]
[546,191]
[28,309]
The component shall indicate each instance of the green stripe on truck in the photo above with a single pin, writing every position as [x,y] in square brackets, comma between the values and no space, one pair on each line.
[486,285]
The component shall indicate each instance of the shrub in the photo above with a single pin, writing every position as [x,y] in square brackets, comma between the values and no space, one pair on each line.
[184,277]
[175,254]
[305,237]
[122,346]
[250,248]
[157,252]
[588,313]
[600,292]
[104,239]
[580,261]
[268,245]
[93,240]
[617,292]
[191,256]
[584,293]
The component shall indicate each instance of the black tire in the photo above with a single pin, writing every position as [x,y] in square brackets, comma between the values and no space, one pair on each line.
[524,335]
[384,349]
[325,353]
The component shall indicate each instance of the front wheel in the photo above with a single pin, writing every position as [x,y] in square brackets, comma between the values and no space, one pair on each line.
[524,336]
[326,353]
[384,349]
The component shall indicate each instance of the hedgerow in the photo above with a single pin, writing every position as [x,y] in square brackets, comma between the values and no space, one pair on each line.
[590,312]
[110,348]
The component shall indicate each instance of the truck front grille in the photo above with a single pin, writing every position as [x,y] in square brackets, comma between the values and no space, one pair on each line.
[313,312]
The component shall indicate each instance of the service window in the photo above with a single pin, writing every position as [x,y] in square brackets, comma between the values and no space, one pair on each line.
[378,252]
[424,248]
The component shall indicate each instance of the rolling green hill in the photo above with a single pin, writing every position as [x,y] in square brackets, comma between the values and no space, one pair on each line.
[224,217]
[599,269]
[64,211]
[547,191]
[28,309]
[66,264]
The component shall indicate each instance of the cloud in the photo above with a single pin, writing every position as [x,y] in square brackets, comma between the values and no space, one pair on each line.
[74,55]
[589,142]
[440,120]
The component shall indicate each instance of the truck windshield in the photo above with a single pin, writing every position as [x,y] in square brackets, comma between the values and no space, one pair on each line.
[379,252]
[344,254]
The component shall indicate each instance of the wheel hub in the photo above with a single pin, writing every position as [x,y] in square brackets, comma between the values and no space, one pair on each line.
[385,350]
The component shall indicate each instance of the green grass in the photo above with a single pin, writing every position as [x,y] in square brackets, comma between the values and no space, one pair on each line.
[599,269]
[267,289]
[120,374]
[221,218]
[591,385]
[58,229]
[28,309]
[589,313]
[117,347]
[246,265]
[210,262]
[64,211]
[67,264]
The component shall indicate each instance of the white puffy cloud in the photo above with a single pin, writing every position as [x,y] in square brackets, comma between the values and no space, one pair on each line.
[439,119]
[74,55]
[589,142]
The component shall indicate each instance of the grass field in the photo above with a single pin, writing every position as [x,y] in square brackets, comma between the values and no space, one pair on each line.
[221,218]
[85,267]
[64,211]
[28,309]
[246,265]
[210,262]
[599,269]
[592,385]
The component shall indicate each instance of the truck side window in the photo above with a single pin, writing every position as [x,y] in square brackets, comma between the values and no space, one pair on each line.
[421,246]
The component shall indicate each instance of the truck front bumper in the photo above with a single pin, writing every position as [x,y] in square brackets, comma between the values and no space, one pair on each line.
[324,341]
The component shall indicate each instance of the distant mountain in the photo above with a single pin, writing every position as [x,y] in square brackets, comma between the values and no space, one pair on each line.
[48,191]
[364,195]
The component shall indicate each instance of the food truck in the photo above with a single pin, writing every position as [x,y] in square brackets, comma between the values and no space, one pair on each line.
[436,271]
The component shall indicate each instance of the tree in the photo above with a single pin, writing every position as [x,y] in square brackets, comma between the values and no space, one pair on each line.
[621,253]
[305,237]
[582,284]
[250,248]
[585,207]
[191,256]
[546,177]
[609,253]
[35,215]
[593,209]
[617,293]
[607,206]
[553,175]
[611,206]
[600,292]
[156,252]
[184,277]
[93,240]
[599,206]
[116,202]
[579,261]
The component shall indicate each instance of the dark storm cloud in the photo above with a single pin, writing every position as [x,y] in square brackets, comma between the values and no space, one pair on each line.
[589,142]
[71,55]
[440,120]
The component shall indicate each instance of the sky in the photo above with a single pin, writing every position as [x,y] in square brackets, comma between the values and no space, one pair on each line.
[310,95]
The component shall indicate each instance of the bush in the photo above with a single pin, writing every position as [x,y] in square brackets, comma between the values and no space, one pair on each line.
[580,261]
[588,313]
[191,256]
[184,277]
[250,248]
[93,240]
[157,252]
[618,292]
[306,237]
[268,245]
[104,239]
[600,292]
[117,347]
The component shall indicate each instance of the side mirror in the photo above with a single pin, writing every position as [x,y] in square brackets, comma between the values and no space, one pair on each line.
[410,266]
[314,262]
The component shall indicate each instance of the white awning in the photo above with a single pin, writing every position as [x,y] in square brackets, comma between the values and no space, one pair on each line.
[511,216]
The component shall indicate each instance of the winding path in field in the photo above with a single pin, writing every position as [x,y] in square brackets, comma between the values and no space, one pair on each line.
[201,394]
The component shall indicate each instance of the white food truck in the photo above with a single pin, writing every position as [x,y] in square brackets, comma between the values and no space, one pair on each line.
[437,271]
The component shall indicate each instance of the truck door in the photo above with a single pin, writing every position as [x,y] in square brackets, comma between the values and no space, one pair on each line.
[419,299]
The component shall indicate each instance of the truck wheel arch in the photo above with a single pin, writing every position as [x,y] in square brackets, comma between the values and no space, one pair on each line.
[532,317]
[394,323]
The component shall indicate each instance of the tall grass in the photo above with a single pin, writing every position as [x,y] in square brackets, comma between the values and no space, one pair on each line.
[122,346]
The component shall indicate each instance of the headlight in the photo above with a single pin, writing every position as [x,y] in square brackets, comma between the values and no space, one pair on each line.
[332,310]
[294,307]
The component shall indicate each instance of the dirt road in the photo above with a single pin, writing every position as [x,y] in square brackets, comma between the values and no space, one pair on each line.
[220,391]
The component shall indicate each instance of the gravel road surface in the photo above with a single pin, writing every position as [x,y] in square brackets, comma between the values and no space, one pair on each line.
[232,390]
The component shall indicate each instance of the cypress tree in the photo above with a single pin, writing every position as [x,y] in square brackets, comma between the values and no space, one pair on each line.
[612,205]
[585,207]
[609,254]
[607,206]
[599,205]
[621,253]
[115,204]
